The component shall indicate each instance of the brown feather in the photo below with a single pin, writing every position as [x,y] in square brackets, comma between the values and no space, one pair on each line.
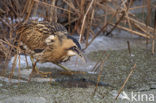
[33,36]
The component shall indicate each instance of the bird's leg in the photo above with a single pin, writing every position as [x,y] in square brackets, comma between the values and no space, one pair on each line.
[36,70]
[70,72]
[33,69]
[65,68]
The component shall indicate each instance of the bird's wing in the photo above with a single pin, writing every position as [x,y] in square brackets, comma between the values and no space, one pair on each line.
[34,35]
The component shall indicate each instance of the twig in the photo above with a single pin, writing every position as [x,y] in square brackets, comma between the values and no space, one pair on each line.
[153,41]
[132,69]
[84,18]
[98,62]
[129,48]
[19,67]
[13,67]
[100,72]
[123,14]
[135,32]
[102,29]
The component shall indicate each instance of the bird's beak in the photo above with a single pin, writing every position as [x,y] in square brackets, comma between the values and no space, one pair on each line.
[80,54]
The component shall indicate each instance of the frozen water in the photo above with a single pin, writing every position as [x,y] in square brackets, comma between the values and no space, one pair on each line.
[10,80]
[24,99]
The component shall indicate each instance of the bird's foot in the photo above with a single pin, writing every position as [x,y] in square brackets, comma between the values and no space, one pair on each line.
[68,71]
[44,74]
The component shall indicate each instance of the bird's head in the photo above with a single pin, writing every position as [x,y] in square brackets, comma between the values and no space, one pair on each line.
[73,48]
[65,46]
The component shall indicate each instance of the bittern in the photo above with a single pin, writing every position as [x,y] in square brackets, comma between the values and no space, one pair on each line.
[47,42]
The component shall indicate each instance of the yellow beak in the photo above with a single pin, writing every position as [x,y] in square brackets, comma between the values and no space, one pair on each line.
[80,54]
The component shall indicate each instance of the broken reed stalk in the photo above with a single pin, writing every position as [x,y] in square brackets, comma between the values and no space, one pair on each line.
[153,46]
[134,32]
[13,67]
[35,9]
[153,41]
[115,25]
[6,48]
[129,47]
[26,60]
[100,72]
[132,19]
[71,5]
[53,12]
[83,21]
[69,19]
[98,63]
[19,68]
[148,12]
[132,69]
[126,8]
[139,23]
[29,10]
[102,29]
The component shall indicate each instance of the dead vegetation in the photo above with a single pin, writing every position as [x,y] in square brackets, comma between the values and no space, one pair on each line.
[81,17]
[86,18]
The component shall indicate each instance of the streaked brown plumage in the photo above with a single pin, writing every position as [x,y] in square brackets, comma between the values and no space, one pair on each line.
[47,42]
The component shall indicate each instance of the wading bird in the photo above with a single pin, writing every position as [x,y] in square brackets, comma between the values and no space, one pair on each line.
[47,42]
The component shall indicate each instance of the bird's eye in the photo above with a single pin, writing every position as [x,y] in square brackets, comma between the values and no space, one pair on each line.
[73,48]
[52,40]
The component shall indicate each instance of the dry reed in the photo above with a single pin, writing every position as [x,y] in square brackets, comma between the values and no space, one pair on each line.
[79,16]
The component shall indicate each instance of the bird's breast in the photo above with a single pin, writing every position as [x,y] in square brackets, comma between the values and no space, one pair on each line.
[51,56]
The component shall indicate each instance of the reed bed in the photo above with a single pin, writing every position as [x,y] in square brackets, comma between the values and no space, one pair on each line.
[86,18]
